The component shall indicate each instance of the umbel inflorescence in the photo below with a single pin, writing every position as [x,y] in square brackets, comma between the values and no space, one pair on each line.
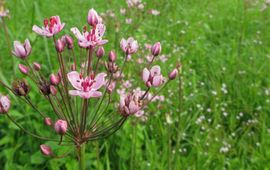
[80,93]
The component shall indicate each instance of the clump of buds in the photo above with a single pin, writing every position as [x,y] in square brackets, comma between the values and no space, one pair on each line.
[20,87]
[44,87]
[130,104]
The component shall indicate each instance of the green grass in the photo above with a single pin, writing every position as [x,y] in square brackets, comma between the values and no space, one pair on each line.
[218,42]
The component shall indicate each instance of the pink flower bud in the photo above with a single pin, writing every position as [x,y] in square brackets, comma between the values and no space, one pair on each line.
[100,52]
[48,121]
[60,126]
[54,79]
[53,90]
[92,18]
[172,75]
[45,150]
[37,66]
[4,104]
[69,41]
[23,69]
[59,45]
[156,49]
[112,56]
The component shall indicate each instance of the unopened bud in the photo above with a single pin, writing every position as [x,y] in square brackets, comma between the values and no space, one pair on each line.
[100,52]
[36,66]
[92,18]
[172,75]
[23,69]
[45,150]
[156,49]
[69,41]
[53,90]
[59,45]
[54,79]
[47,121]
[112,56]
[4,104]
[60,126]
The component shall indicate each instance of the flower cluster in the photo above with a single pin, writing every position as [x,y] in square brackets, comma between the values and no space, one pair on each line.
[80,93]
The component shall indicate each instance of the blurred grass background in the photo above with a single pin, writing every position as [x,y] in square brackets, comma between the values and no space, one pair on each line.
[221,122]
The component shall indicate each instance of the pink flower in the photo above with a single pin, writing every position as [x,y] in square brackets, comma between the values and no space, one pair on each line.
[51,27]
[60,126]
[153,77]
[45,150]
[130,104]
[86,87]
[22,50]
[4,104]
[129,46]
[92,38]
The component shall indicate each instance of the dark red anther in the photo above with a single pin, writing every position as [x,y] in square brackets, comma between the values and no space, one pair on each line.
[84,28]
[46,22]
[81,76]
[92,76]
[52,21]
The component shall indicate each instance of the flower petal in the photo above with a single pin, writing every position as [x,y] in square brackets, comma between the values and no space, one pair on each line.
[95,94]
[77,33]
[145,75]
[40,31]
[75,80]
[157,81]
[155,70]
[27,47]
[99,81]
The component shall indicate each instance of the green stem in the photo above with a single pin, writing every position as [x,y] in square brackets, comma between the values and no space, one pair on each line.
[81,152]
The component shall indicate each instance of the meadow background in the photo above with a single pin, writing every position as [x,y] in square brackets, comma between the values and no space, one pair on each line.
[219,119]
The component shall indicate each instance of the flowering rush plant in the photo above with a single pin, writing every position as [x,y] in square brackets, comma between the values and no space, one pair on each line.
[80,92]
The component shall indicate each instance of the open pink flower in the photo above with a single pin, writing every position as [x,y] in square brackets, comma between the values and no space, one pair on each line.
[50,28]
[130,104]
[22,50]
[86,87]
[153,76]
[4,104]
[92,38]
[129,46]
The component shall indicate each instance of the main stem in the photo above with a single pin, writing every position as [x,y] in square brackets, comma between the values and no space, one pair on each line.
[81,153]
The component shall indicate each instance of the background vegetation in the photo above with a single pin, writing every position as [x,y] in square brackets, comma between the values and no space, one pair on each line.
[219,121]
